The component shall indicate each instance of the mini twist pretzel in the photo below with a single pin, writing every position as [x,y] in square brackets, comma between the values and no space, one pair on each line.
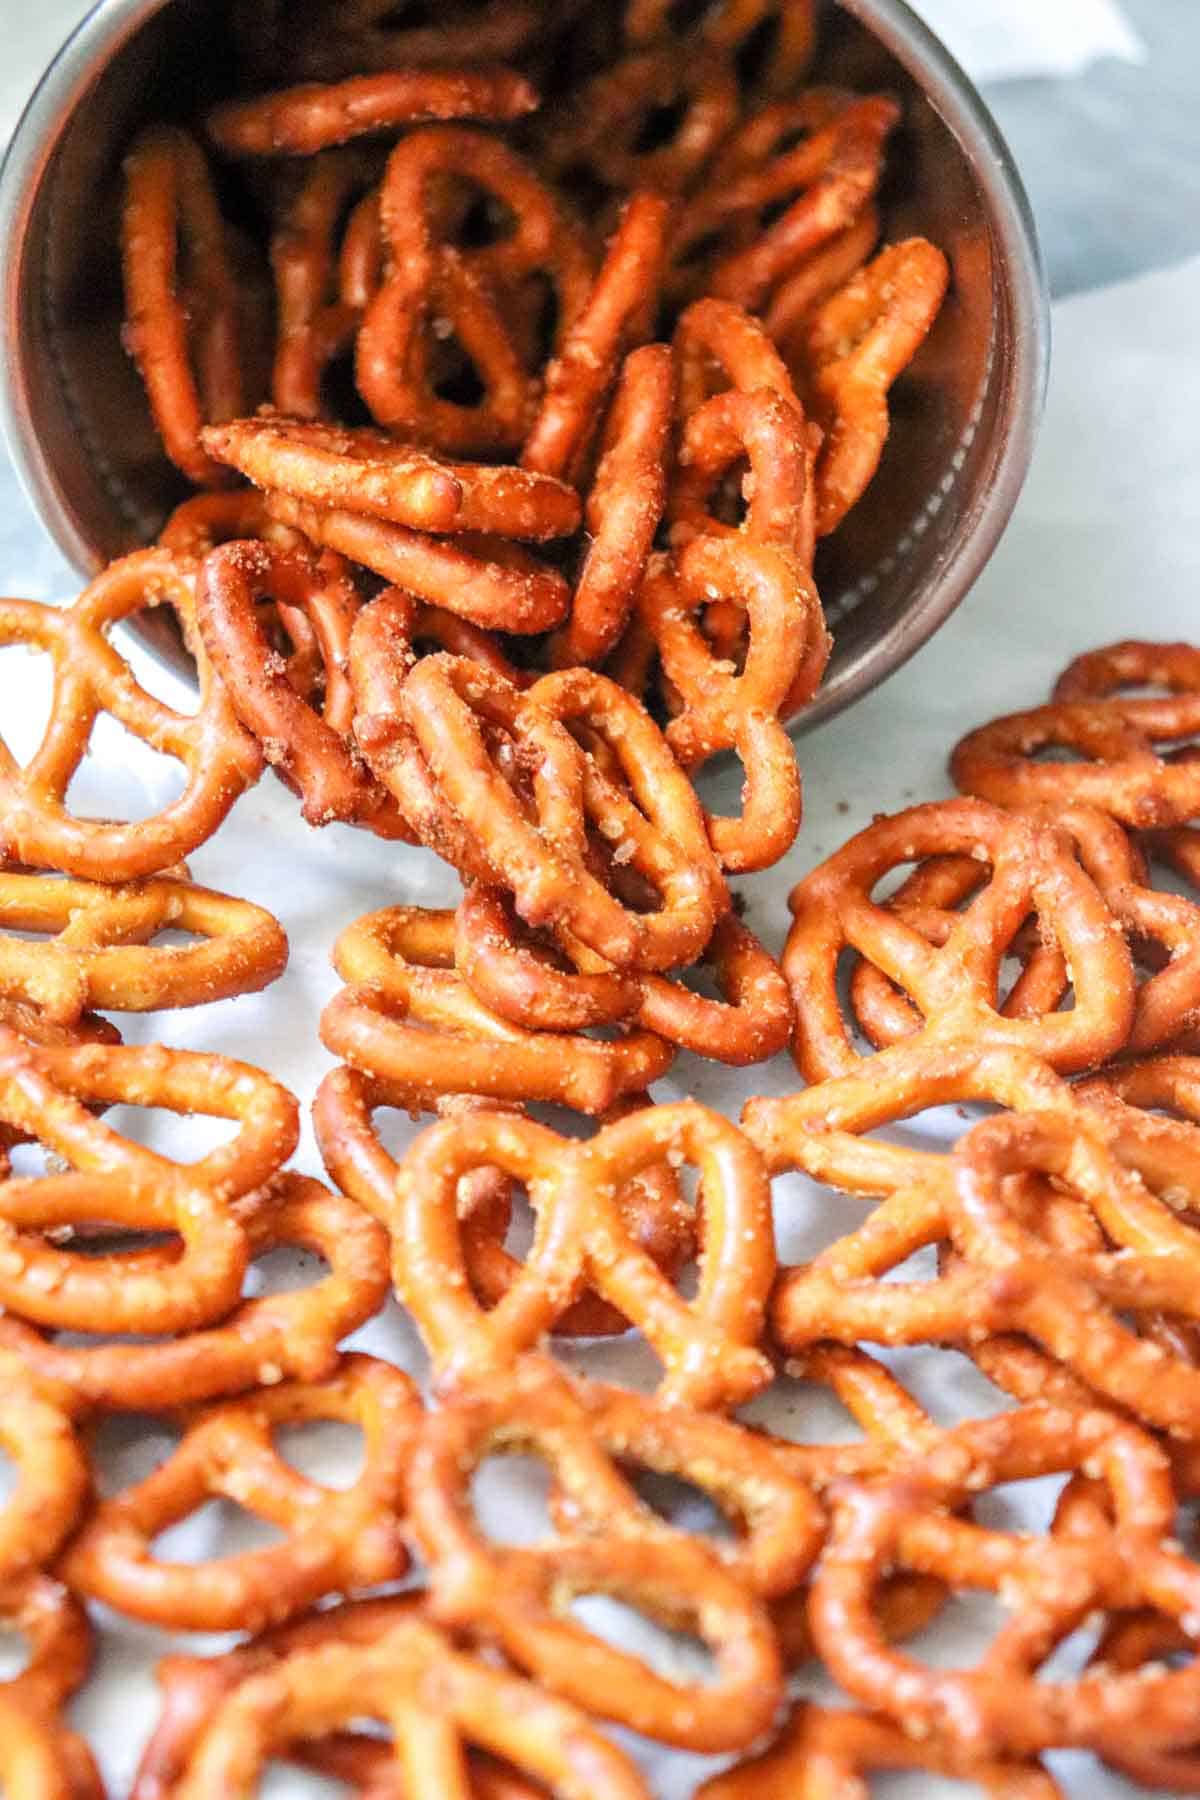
[518,1596]
[954,985]
[313,752]
[525,985]
[1121,771]
[722,709]
[434,1697]
[334,1539]
[430,279]
[487,581]
[315,323]
[367,472]
[732,26]
[289,1336]
[834,178]
[776,208]
[856,344]
[100,952]
[91,677]
[45,1093]
[410,1019]
[300,121]
[53,1478]
[601,129]
[624,506]
[619,313]
[706,1345]
[823,1755]
[182,301]
[1000,1708]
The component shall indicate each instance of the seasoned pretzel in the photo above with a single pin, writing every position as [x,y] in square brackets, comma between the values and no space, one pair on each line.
[300,121]
[523,984]
[706,1345]
[53,1478]
[288,1336]
[335,1539]
[822,1755]
[624,505]
[90,678]
[1120,770]
[315,324]
[770,433]
[602,128]
[954,985]
[434,1697]
[367,472]
[618,315]
[519,1597]
[182,304]
[1000,1708]
[816,277]
[409,1019]
[45,1093]
[720,345]
[856,344]
[487,581]
[198,525]
[99,949]
[833,178]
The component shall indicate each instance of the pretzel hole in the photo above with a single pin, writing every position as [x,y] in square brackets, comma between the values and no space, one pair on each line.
[684,15]
[675,1655]
[8,1478]
[510,1495]
[126,1447]
[1020,1505]
[961,1633]
[159,680]
[331,1452]
[122,778]
[187,1138]
[283,1780]
[753,55]
[659,125]
[454,375]
[14,1651]
[285,1270]
[25,728]
[683,1504]
[216,1529]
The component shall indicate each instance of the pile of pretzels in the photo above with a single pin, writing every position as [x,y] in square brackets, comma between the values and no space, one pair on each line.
[643,328]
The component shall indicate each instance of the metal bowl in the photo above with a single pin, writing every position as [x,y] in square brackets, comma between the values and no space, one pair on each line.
[964,415]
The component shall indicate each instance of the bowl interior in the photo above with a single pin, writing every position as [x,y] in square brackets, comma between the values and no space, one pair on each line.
[84,442]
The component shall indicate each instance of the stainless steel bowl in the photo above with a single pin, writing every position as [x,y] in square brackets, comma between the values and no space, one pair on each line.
[964,416]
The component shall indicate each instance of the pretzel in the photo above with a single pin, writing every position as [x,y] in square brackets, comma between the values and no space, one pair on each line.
[1157,925]
[53,1478]
[293,1335]
[816,277]
[111,1180]
[183,309]
[822,1754]
[408,1018]
[522,983]
[1120,770]
[954,985]
[719,345]
[91,677]
[99,948]
[769,432]
[856,344]
[706,1345]
[602,127]
[786,646]
[795,176]
[434,1697]
[59,1637]
[300,121]
[617,317]
[335,1539]
[39,1760]
[734,26]
[315,324]
[198,525]
[487,581]
[472,290]
[827,182]
[1000,1708]
[519,1598]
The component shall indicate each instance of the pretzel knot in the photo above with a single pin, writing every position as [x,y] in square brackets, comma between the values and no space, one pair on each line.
[437,293]
[183,299]
[706,1345]
[46,1093]
[1120,768]
[334,1540]
[629,1553]
[435,1698]
[91,677]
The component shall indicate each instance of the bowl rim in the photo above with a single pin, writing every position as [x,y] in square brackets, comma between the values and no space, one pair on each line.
[110,23]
